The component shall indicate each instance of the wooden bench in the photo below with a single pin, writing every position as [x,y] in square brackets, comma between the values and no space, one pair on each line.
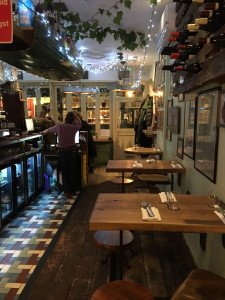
[122,290]
[201,284]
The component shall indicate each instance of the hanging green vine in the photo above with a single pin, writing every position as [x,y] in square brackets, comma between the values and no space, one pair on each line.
[91,28]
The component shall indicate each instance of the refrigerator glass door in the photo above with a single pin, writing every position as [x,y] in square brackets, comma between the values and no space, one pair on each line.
[30,176]
[20,186]
[6,192]
[39,170]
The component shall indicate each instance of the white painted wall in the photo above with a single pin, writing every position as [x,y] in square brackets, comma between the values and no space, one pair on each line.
[214,257]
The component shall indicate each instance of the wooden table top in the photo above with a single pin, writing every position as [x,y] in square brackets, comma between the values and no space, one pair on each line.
[157,166]
[143,151]
[123,212]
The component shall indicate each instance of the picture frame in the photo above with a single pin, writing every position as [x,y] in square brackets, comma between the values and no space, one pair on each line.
[160,116]
[168,134]
[181,97]
[206,141]
[180,147]
[189,127]
[173,120]
[221,110]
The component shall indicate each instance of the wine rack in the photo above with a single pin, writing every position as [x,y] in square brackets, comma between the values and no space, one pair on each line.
[211,57]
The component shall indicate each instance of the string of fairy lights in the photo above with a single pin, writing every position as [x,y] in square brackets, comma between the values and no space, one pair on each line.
[113,62]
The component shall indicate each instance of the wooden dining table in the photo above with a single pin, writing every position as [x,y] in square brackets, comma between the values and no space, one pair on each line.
[122,211]
[143,166]
[144,151]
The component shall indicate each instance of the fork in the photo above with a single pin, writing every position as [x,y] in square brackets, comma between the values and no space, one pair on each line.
[148,208]
[170,203]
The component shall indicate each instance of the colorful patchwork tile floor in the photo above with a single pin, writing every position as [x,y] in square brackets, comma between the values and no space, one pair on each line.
[25,239]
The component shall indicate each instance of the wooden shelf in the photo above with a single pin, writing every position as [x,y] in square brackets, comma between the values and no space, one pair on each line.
[212,72]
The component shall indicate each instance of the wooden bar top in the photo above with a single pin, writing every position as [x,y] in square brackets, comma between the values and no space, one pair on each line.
[123,212]
[157,166]
[143,151]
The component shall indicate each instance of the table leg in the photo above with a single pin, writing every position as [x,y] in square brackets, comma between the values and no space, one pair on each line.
[120,258]
[122,182]
[179,179]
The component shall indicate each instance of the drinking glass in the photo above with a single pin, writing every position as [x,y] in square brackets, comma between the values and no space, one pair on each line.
[213,201]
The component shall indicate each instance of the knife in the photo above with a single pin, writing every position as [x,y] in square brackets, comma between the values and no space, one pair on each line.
[150,211]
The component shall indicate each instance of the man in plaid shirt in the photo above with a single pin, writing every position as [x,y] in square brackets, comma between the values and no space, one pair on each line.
[67,151]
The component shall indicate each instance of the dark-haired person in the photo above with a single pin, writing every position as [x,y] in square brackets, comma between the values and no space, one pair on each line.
[67,152]
[92,152]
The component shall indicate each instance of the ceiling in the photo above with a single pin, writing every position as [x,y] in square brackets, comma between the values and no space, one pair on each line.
[142,17]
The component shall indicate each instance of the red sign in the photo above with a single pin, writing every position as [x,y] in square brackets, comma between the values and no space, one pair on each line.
[6,22]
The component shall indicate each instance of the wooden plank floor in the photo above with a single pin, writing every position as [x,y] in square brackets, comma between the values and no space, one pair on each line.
[73,268]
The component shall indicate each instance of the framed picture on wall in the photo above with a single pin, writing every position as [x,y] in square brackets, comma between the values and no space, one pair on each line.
[189,127]
[207,134]
[180,147]
[168,134]
[160,116]
[181,97]
[221,110]
[174,119]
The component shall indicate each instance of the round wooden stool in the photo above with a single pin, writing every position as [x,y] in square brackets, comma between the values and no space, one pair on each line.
[118,180]
[157,179]
[110,240]
[122,290]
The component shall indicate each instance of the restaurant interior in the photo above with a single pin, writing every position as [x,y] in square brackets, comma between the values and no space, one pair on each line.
[148,218]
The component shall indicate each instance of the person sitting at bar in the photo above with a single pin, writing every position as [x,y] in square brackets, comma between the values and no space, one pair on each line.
[67,152]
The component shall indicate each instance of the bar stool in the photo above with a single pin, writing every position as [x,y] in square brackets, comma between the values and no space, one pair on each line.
[201,284]
[118,180]
[122,290]
[110,240]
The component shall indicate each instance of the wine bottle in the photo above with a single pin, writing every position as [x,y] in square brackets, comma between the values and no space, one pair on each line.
[210,6]
[209,24]
[184,33]
[190,48]
[171,67]
[182,56]
[206,1]
[168,50]
[218,40]
[204,24]
[183,1]
[192,68]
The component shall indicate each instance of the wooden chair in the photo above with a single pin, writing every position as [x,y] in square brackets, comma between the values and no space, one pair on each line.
[122,290]
[201,284]
[110,240]
[158,179]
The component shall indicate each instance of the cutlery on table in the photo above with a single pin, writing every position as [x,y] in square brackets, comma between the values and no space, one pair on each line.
[148,208]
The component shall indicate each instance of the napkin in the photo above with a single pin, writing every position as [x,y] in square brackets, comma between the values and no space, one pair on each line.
[163,198]
[179,166]
[220,215]
[146,217]
[137,165]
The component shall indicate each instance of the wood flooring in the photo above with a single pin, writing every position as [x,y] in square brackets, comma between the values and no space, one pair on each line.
[73,268]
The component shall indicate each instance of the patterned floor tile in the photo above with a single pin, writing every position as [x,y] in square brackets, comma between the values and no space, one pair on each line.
[25,239]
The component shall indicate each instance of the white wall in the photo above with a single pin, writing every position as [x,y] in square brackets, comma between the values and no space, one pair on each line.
[193,181]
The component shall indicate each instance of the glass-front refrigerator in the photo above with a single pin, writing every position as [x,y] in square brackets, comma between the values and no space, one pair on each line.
[30,168]
[20,199]
[39,168]
[6,194]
